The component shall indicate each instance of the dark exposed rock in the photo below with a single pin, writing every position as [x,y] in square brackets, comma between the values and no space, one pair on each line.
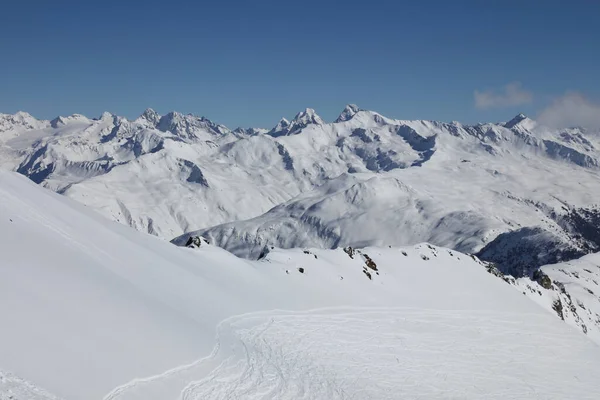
[263,253]
[543,279]
[558,307]
[519,253]
[350,251]
[369,262]
[194,242]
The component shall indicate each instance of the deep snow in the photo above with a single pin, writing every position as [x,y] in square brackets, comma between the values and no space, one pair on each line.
[89,305]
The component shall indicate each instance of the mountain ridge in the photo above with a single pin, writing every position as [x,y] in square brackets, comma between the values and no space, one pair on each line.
[465,185]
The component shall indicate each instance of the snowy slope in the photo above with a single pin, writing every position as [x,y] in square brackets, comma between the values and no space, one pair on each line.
[89,305]
[569,290]
[362,180]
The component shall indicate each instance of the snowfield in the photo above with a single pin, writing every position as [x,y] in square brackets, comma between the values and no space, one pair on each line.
[92,309]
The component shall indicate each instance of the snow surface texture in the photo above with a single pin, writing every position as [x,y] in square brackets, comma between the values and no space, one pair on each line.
[363,180]
[15,388]
[570,290]
[94,309]
[378,353]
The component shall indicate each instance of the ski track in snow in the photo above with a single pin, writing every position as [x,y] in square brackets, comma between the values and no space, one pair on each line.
[377,353]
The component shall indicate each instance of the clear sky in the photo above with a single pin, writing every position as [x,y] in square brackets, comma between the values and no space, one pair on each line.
[248,63]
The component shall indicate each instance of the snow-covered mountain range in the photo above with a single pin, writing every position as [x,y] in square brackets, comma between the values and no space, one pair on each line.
[520,194]
[92,309]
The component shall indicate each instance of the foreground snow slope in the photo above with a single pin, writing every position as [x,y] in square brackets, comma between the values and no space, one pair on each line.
[89,305]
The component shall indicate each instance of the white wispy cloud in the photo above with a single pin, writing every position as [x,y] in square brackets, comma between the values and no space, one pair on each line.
[572,109]
[511,95]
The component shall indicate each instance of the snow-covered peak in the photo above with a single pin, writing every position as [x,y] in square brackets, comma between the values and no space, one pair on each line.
[106,115]
[22,115]
[189,126]
[519,120]
[300,121]
[306,117]
[349,111]
[150,116]
[19,120]
[281,128]
[61,121]
[250,131]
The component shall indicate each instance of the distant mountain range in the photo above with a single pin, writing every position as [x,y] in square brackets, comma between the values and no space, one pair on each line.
[520,194]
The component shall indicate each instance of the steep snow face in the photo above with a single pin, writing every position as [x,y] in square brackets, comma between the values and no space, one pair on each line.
[281,128]
[189,126]
[300,121]
[569,290]
[18,122]
[93,308]
[249,131]
[149,117]
[349,111]
[521,122]
[458,186]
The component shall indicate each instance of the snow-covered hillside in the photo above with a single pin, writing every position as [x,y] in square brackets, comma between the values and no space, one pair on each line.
[506,189]
[91,308]
[569,290]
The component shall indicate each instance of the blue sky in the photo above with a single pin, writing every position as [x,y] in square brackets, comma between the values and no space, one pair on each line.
[249,63]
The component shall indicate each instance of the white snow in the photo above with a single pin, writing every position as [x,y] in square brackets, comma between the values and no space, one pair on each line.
[574,295]
[94,309]
[317,185]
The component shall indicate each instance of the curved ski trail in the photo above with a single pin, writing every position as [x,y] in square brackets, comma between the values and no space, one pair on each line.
[377,353]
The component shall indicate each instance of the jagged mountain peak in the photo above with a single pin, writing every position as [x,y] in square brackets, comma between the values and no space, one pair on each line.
[300,121]
[189,126]
[23,115]
[349,111]
[19,121]
[308,116]
[18,118]
[283,122]
[281,128]
[150,116]
[518,119]
[249,131]
[107,116]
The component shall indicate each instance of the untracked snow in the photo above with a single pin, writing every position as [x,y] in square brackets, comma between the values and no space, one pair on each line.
[92,309]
